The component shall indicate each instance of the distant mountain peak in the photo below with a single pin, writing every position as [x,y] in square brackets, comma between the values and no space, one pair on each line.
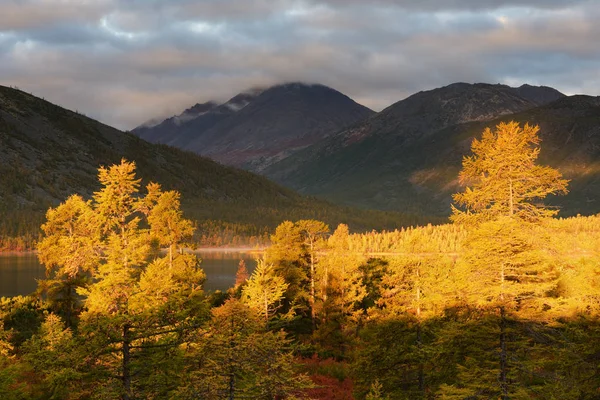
[298,85]
[527,86]
[254,91]
[539,95]
[241,100]
[463,102]
[261,125]
[201,108]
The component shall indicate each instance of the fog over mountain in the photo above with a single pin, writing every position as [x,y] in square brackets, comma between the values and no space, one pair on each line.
[258,126]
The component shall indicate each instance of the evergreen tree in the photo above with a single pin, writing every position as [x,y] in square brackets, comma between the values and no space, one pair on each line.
[417,289]
[387,353]
[340,291]
[502,177]
[341,280]
[235,357]
[70,253]
[264,290]
[376,392]
[313,233]
[13,385]
[505,257]
[165,217]
[139,305]
[288,256]
[55,355]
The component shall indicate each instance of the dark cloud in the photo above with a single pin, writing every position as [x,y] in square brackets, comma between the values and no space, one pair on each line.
[125,61]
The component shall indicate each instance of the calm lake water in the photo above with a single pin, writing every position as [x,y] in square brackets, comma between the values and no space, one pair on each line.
[18,272]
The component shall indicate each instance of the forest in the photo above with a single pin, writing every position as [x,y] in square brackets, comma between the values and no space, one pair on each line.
[502,302]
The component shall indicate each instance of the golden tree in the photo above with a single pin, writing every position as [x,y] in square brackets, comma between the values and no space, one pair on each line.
[340,280]
[70,252]
[264,290]
[313,233]
[505,256]
[288,256]
[236,357]
[166,220]
[137,304]
[340,292]
[502,178]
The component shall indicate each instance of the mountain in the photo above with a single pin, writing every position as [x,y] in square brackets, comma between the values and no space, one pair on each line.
[258,127]
[181,129]
[48,153]
[539,95]
[408,156]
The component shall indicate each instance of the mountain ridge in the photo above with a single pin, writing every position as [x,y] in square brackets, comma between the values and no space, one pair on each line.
[260,126]
[424,173]
[413,117]
[385,155]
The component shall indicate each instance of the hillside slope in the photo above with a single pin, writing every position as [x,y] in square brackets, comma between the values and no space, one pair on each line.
[385,161]
[419,175]
[48,153]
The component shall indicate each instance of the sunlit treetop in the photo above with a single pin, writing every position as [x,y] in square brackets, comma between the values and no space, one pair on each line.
[502,178]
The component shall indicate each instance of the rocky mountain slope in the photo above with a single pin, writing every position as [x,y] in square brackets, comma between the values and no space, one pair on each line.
[259,127]
[48,153]
[408,156]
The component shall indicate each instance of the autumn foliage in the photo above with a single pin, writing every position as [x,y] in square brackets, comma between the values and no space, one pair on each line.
[503,303]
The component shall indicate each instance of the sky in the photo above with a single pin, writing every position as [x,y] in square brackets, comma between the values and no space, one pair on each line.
[124,62]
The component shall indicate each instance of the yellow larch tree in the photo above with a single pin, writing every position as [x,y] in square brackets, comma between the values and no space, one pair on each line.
[138,303]
[503,179]
[264,290]
[70,253]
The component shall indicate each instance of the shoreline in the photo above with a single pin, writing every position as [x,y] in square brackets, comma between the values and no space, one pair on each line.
[228,249]
[17,252]
[239,249]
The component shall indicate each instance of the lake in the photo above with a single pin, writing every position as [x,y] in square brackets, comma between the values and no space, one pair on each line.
[19,271]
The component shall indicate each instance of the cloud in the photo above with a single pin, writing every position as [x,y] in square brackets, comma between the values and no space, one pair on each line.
[461,5]
[27,14]
[126,61]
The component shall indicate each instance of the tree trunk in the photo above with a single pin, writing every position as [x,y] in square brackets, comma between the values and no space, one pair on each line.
[418,294]
[502,279]
[231,386]
[312,286]
[511,205]
[421,367]
[124,242]
[503,356]
[126,365]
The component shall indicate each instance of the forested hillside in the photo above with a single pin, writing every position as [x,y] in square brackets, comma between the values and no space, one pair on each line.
[48,153]
[408,156]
